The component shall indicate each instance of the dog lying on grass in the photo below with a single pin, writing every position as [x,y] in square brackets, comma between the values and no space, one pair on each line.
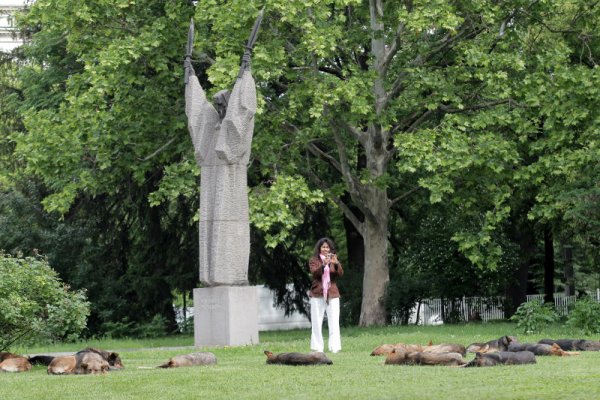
[540,349]
[80,364]
[574,344]
[87,361]
[10,362]
[402,357]
[188,360]
[315,358]
[113,359]
[501,358]
[500,344]
[385,349]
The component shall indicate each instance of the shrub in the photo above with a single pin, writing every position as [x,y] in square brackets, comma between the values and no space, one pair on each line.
[35,305]
[585,316]
[534,316]
[130,329]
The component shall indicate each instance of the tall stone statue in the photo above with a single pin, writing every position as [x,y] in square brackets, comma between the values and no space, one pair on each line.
[222,137]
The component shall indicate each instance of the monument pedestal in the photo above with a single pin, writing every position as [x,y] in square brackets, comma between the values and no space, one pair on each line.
[225,316]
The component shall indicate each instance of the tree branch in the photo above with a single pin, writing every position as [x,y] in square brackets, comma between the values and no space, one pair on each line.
[404,195]
[338,201]
[164,146]
[315,150]
[392,50]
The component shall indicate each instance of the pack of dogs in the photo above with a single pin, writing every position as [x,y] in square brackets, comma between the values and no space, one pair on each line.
[506,350]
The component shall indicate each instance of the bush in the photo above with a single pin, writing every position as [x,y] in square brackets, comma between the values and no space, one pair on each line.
[130,329]
[585,316]
[35,305]
[534,316]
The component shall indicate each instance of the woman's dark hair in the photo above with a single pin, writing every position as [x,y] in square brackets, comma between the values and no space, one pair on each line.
[320,242]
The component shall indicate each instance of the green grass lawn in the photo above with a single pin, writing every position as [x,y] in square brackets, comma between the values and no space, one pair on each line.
[241,372]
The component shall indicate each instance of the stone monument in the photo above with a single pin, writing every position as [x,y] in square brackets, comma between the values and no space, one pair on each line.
[226,309]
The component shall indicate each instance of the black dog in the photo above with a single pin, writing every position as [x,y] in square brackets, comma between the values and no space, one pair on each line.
[574,344]
[501,358]
[541,349]
[315,358]
[500,344]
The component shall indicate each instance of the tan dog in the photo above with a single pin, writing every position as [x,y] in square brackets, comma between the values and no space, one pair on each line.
[113,359]
[315,358]
[188,360]
[85,363]
[62,365]
[385,349]
[401,357]
[15,364]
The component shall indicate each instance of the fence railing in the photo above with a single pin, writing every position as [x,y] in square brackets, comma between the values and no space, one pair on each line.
[436,311]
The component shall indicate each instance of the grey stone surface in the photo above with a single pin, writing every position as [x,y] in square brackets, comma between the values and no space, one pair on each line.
[225,316]
[222,150]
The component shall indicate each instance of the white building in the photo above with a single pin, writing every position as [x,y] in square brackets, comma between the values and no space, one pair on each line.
[8,8]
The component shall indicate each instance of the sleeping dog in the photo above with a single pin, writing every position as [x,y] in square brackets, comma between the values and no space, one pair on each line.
[438,348]
[541,349]
[401,357]
[315,358]
[501,358]
[500,344]
[188,360]
[10,362]
[574,344]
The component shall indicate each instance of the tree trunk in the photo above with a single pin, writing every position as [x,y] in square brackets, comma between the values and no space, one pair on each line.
[376,276]
[568,269]
[516,291]
[548,266]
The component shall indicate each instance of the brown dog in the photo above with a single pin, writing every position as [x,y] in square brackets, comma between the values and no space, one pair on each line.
[15,364]
[385,349]
[314,358]
[113,359]
[501,358]
[401,357]
[500,344]
[188,360]
[79,364]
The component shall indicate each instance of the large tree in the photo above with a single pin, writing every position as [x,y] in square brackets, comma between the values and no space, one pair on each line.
[379,91]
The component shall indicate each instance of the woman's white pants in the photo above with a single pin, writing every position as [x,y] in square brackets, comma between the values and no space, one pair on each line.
[318,308]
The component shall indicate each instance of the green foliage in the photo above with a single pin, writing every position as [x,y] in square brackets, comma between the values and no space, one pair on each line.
[280,208]
[585,316]
[130,329]
[35,305]
[533,316]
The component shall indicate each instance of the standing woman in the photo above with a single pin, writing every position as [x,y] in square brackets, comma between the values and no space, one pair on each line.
[325,269]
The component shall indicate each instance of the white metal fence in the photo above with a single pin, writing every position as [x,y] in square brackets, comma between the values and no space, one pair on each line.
[434,311]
